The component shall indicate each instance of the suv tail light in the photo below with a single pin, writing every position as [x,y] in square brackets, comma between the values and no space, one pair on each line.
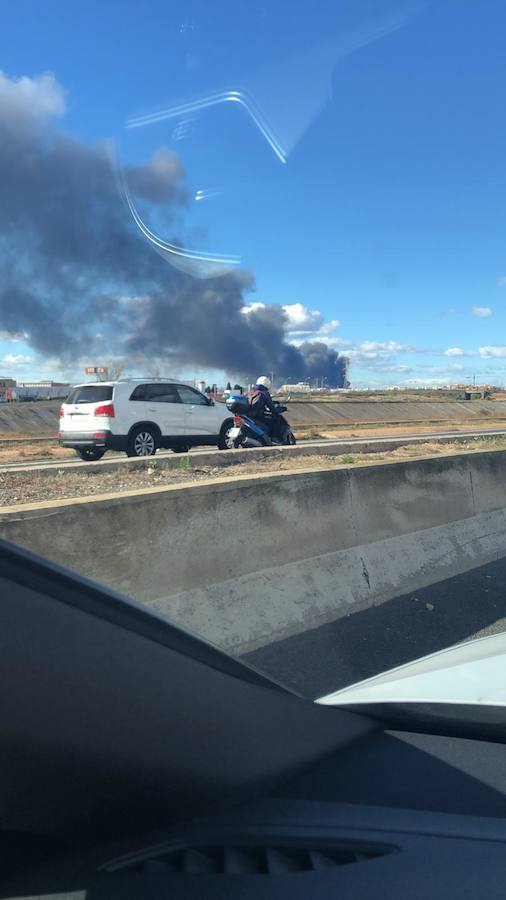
[107,409]
[62,412]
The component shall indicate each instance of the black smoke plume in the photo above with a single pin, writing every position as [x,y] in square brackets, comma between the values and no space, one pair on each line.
[79,281]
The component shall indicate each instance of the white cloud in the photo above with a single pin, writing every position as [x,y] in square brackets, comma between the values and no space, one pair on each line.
[457,351]
[394,369]
[451,367]
[487,352]
[302,322]
[338,342]
[16,361]
[384,347]
[481,311]
[252,307]
[424,382]
[381,350]
[25,101]
[501,281]
[329,327]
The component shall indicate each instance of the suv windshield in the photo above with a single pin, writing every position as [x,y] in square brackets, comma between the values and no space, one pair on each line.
[270,239]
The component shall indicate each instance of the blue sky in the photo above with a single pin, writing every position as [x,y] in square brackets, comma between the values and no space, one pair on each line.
[386,213]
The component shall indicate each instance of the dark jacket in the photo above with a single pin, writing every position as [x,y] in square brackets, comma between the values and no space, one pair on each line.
[260,401]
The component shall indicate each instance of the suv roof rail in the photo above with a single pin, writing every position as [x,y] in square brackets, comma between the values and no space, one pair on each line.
[149,378]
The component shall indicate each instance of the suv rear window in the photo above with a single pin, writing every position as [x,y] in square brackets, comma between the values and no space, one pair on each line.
[90,393]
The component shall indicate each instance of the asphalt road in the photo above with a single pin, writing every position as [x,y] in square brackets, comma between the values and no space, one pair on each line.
[366,643]
[321,442]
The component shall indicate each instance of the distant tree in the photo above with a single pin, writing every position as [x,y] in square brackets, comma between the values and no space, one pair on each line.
[208,390]
[153,371]
[114,370]
[229,386]
[238,387]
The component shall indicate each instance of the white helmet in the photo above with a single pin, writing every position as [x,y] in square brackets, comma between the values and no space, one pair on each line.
[264,381]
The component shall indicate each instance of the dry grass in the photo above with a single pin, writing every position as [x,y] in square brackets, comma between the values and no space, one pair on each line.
[34,487]
[23,451]
[365,430]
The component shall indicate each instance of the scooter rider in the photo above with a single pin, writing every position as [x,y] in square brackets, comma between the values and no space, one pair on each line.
[261,401]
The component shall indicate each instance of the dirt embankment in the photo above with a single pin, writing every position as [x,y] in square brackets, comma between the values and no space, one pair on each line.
[41,418]
[362,413]
[33,418]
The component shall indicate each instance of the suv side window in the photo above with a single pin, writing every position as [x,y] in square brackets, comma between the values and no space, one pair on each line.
[139,392]
[188,395]
[162,393]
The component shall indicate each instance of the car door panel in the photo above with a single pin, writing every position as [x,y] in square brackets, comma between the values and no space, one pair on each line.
[164,408]
[135,409]
[199,415]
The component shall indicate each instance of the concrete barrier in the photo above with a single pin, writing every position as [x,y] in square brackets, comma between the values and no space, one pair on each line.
[253,560]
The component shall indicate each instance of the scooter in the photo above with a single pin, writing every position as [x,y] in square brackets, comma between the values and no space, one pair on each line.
[248,432]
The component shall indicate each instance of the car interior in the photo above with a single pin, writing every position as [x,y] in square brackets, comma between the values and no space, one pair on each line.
[138,761]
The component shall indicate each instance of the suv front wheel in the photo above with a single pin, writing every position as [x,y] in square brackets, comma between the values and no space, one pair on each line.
[142,441]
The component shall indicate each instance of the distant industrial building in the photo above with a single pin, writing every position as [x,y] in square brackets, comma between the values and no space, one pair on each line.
[300,388]
[42,384]
[35,390]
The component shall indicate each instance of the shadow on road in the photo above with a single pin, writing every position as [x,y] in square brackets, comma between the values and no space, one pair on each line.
[368,642]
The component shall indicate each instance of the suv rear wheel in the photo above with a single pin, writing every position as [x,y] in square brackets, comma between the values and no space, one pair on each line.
[142,441]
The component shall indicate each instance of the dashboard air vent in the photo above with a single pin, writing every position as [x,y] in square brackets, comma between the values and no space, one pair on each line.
[255,860]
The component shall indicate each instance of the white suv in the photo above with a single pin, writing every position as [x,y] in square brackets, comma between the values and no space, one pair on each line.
[139,416]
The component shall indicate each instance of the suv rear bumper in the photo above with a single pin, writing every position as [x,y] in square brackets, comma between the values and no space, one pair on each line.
[99,439]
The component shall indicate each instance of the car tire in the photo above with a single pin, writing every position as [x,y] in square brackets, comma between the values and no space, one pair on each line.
[222,440]
[180,449]
[90,454]
[142,441]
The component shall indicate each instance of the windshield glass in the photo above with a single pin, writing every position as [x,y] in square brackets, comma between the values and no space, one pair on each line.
[283,224]
[90,394]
